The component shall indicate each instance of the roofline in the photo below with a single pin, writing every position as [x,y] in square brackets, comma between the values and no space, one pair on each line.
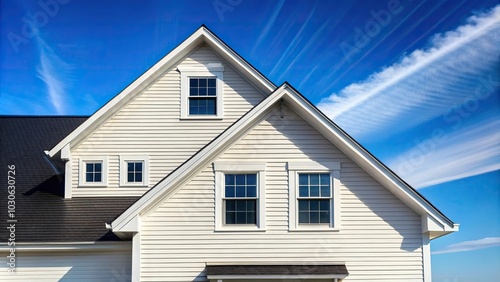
[361,147]
[202,34]
[420,204]
[68,246]
[43,116]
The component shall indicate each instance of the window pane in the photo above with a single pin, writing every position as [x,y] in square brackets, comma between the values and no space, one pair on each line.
[138,177]
[303,191]
[230,218]
[211,82]
[325,191]
[130,177]
[240,179]
[314,217]
[193,91]
[252,191]
[230,191]
[230,205]
[314,205]
[229,179]
[202,82]
[241,217]
[303,205]
[138,166]
[97,177]
[193,82]
[303,179]
[130,167]
[211,91]
[203,92]
[303,217]
[90,167]
[314,179]
[251,179]
[324,217]
[251,218]
[324,205]
[240,191]
[314,191]
[89,177]
[97,167]
[325,179]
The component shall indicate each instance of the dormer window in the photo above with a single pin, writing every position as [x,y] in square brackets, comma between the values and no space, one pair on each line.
[202,92]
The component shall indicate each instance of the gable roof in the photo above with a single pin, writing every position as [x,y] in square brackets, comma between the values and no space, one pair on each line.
[42,212]
[201,36]
[433,221]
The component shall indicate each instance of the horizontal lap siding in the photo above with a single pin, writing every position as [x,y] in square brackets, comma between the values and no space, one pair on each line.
[74,265]
[149,124]
[380,238]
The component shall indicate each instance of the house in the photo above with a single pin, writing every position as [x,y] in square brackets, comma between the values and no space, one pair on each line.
[203,170]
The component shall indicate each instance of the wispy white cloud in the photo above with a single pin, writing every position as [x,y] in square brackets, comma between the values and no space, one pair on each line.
[51,70]
[424,84]
[471,151]
[269,25]
[472,245]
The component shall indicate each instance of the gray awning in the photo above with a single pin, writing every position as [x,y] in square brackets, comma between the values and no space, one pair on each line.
[322,271]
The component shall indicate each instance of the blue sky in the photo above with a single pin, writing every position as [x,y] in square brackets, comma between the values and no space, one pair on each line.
[415,82]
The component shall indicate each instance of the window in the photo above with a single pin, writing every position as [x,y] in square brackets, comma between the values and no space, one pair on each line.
[93,172]
[314,195]
[314,198]
[202,91]
[240,199]
[134,170]
[202,96]
[239,196]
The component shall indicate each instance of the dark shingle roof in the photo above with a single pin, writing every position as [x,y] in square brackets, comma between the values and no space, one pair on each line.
[213,270]
[42,213]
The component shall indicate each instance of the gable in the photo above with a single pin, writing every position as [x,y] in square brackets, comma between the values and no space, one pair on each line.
[150,125]
[198,38]
[433,221]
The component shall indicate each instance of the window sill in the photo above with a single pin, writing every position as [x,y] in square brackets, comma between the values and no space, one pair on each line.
[240,229]
[92,186]
[200,117]
[133,186]
[313,229]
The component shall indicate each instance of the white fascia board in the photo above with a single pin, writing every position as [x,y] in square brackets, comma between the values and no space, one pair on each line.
[195,163]
[257,79]
[365,160]
[69,246]
[167,62]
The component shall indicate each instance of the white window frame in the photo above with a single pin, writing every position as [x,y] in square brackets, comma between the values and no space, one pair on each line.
[212,70]
[294,169]
[221,168]
[82,167]
[124,159]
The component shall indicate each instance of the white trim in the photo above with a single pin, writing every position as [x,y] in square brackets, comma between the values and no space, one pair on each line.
[426,257]
[136,257]
[211,70]
[294,168]
[201,35]
[220,169]
[70,246]
[68,171]
[325,126]
[124,159]
[81,171]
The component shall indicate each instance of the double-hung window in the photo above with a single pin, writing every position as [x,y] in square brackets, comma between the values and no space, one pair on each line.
[93,172]
[240,199]
[202,91]
[239,196]
[134,170]
[314,195]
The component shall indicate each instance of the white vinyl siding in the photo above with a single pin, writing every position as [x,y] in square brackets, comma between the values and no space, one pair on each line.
[150,125]
[74,265]
[380,238]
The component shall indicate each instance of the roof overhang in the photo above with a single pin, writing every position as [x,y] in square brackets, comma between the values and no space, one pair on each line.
[434,222]
[201,36]
[277,271]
